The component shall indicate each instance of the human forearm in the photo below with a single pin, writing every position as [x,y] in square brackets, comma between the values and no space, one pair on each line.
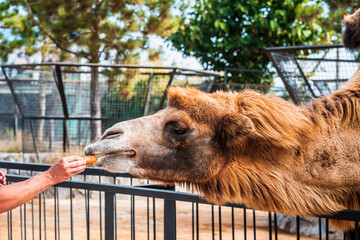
[19,193]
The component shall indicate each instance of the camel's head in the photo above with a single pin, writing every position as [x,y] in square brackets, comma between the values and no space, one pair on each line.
[185,142]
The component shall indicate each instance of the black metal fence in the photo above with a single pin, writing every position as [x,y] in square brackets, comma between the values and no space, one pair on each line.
[312,71]
[117,206]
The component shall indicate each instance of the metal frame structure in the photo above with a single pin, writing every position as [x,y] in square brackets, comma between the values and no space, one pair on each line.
[276,53]
[58,79]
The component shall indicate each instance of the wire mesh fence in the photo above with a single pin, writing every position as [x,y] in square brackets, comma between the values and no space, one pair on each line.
[53,101]
[310,72]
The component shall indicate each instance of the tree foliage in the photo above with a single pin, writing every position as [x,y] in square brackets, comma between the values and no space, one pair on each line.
[234,33]
[95,30]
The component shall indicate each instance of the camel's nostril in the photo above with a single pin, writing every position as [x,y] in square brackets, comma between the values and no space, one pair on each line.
[87,151]
[133,153]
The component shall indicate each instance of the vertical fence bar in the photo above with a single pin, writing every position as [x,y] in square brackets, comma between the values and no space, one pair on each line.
[132,217]
[25,221]
[170,219]
[220,224]
[55,218]
[44,209]
[148,217]
[100,211]
[244,224]
[8,224]
[254,224]
[11,211]
[32,215]
[58,212]
[212,222]
[356,230]
[21,223]
[270,226]
[109,216]
[297,227]
[115,210]
[197,220]
[275,226]
[71,216]
[232,223]
[40,216]
[154,218]
[320,229]
[193,220]
[87,212]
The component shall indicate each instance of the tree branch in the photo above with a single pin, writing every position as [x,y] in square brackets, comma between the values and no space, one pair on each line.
[46,32]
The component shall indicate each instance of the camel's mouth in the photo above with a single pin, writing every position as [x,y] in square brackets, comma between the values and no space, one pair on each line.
[123,152]
[120,161]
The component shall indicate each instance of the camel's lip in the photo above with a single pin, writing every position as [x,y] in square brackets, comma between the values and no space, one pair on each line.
[125,152]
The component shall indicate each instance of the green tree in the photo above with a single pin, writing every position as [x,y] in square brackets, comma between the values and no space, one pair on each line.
[234,33]
[332,20]
[106,30]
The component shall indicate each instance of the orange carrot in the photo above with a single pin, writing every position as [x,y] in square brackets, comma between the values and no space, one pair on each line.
[90,159]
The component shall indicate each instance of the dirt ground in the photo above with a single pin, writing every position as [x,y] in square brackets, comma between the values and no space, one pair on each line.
[183,218]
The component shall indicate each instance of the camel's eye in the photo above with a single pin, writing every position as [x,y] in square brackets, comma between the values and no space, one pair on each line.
[180,131]
[176,127]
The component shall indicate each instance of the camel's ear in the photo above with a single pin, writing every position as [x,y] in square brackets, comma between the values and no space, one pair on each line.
[232,130]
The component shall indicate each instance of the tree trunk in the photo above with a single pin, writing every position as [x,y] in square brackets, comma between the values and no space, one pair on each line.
[95,110]
[42,111]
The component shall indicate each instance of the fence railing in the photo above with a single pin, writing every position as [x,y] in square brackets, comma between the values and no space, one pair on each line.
[55,216]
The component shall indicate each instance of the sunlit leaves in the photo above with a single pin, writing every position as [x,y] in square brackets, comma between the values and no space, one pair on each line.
[234,33]
[112,30]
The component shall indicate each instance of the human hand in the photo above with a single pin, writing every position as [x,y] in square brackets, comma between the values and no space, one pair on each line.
[2,178]
[66,168]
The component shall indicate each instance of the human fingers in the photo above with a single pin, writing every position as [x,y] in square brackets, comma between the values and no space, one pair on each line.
[77,163]
[78,170]
[73,158]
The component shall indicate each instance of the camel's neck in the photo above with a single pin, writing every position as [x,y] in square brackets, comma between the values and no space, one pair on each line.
[353,83]
[264,189]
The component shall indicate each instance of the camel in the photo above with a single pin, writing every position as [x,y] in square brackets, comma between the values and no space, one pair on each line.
[244,147]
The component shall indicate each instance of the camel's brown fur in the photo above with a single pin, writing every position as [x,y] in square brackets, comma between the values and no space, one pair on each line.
[280,126]
[248,148]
